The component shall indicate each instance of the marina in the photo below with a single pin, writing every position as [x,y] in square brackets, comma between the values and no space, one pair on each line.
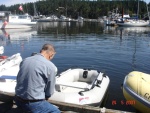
[101,52]
[113,50]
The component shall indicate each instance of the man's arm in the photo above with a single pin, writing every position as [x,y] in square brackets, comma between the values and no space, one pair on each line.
[50,86]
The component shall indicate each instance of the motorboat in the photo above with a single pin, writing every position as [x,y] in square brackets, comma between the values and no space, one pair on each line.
[18,22]
[50,18]
[64,18]
[81,86]
[77,86]
[80,19]
[25,19]
[136,90]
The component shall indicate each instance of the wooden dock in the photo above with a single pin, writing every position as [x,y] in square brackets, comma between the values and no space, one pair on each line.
[10,107]
[84,108]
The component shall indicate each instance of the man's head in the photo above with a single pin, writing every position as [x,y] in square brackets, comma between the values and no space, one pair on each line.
[48,51]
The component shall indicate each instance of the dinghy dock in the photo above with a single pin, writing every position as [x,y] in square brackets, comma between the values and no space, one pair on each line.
[6,107]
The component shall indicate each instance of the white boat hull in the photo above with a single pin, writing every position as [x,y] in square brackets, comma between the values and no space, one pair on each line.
[134,24]
[17,25]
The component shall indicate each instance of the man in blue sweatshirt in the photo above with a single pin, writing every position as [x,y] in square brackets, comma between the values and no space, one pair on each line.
[36,82]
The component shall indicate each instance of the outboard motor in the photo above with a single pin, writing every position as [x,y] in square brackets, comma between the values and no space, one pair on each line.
[85,74]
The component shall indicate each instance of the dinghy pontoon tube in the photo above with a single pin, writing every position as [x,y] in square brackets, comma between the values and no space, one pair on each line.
[81,86]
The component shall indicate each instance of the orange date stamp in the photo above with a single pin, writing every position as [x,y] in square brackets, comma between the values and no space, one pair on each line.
[123,102]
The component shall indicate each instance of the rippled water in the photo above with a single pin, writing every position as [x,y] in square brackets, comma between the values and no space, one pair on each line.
[115,51]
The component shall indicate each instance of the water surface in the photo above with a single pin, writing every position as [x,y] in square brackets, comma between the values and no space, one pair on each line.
[115,51]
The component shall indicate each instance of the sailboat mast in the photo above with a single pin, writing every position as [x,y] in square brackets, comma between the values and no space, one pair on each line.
[122,10]
[148,12]
[138,10]
[35,13]
[27,8]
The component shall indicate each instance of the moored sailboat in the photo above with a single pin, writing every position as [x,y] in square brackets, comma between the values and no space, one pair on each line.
[133,22]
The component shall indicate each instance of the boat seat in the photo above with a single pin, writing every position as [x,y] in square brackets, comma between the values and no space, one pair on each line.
[78,85]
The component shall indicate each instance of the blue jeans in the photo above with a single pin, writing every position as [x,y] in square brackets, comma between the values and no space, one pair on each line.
[37,107]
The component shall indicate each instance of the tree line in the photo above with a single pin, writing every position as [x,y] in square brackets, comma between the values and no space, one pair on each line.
[74,8]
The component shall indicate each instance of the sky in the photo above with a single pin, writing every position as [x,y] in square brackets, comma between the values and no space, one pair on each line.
[12,2]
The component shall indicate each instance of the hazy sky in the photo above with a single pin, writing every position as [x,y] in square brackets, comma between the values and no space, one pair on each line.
[12,2]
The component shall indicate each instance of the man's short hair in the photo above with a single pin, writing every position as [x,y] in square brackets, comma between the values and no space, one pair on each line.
[47,47]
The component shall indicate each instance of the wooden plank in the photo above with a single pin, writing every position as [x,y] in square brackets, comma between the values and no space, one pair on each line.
[83,108]
[65,108]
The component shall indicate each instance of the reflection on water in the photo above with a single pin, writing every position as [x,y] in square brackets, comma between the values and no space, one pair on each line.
[70,28]
[2,39]
[88,45]
[134,57]
[15,39]
[127,30]
[134,29]
[12,35]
